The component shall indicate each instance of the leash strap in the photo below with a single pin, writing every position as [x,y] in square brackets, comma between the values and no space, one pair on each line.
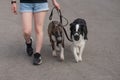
[67,35]
[51,14]
[60,15]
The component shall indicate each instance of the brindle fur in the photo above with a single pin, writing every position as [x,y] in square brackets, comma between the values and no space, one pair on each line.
[54,27]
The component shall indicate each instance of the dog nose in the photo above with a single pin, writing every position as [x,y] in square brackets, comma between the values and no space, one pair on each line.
[76,37]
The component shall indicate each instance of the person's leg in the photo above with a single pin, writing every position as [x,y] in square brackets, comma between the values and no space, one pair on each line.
[27,25]
[27,28]
[39,21]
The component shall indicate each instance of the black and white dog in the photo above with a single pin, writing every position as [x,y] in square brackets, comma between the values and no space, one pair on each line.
[79,36]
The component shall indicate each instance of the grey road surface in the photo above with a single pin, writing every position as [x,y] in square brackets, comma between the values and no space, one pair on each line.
[101,57]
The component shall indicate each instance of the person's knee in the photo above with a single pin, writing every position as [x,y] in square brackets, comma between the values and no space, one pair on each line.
[39,30]
[27,33]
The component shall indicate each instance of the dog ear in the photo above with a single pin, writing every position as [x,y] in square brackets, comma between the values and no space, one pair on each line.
[71,26]
[85,32]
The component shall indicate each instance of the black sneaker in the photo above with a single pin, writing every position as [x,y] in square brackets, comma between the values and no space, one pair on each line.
[37,59]
[29,48]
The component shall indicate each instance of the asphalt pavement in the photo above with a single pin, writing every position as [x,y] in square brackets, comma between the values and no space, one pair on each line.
[101,57]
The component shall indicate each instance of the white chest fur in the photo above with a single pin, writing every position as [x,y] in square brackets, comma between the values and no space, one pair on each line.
[78,47]
[79,42]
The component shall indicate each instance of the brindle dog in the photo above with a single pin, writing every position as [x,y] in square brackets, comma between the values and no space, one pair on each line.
[56,36]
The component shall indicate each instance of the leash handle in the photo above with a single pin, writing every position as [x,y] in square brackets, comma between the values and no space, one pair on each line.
[60,15]
[51,14]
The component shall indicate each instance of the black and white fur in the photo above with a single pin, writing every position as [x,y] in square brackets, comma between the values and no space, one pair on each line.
[79,36]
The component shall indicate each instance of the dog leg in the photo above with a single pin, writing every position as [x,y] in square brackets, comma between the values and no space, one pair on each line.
[62,53]
[54,53]
[75,54]
[53,50]
[53,46]
[77,50]
[81,52]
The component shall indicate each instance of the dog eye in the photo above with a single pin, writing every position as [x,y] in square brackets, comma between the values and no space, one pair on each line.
[79,30]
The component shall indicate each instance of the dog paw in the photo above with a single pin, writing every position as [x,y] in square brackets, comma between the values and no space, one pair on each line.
[62,58]
[54,54]
[57,49]
[77,60]
[80,59]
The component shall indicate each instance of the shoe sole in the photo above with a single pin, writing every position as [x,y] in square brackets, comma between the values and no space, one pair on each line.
[38,63]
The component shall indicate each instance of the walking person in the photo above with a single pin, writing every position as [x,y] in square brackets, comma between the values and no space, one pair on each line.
[33,10]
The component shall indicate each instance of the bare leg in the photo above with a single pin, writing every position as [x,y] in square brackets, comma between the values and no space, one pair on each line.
[27,25]
[39,21]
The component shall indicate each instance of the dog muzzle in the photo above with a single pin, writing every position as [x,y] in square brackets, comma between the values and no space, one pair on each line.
[59,39]
[76,37]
